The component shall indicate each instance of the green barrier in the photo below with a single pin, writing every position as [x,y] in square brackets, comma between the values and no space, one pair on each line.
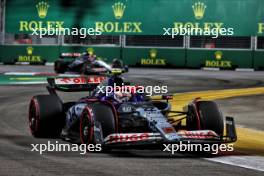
[154,57]
[158,57]
[41,54]
[226,59]
[28,53]
[136,17]
[259,60]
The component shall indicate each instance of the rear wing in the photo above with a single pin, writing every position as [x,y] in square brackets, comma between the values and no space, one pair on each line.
[74,84]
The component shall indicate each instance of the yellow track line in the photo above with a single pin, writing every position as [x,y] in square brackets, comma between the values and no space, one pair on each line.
[182,99]
[26,78]
[250,141]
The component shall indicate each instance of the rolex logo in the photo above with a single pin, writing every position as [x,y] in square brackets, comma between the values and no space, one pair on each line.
[42,8]
[218,55]
[119,9]
[29,50]
[153,53]
[199,10]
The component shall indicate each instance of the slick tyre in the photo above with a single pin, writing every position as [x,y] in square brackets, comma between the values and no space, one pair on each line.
[46,117]
[96,115]
[211,117]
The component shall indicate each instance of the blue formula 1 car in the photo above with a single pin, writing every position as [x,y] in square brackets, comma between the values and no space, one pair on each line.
[123,120]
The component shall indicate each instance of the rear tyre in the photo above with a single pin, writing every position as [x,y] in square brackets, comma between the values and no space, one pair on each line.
[99,114]
[211,117]
[46,117]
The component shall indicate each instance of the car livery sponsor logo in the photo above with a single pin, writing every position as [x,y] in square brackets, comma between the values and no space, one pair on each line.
[127,137]
[79,80]
[168,130]
[202,134]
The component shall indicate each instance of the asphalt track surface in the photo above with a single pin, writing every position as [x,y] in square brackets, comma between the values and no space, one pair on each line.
[16,157]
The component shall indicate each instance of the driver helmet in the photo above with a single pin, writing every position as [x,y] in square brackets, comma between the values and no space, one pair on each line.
[89,56]
[116,63]
[92,58]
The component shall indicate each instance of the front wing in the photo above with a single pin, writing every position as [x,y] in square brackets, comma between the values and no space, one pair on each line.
[156,139]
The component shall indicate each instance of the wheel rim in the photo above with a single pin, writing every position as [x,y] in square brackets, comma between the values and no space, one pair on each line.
[85,131]
[33,117]
[86,128]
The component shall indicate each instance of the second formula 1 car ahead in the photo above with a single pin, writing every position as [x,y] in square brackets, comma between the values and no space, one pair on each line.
[123,119]
[87,64]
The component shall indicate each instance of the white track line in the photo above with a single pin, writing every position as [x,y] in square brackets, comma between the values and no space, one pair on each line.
[27,82]
[49,63]
[39,74]
[245,69]
[248,162]
[210,69]
[20,73]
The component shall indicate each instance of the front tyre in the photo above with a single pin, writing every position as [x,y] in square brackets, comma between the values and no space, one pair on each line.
[210,117]
[97,122]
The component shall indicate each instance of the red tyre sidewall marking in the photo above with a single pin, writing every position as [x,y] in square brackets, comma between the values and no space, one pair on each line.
[34,103]
[112,107]
[90,119]
[197,115]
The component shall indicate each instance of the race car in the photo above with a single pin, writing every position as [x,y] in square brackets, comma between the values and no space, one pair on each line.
[85,63]
[130,120]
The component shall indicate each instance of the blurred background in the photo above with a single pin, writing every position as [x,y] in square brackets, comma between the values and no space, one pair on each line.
[133,31]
